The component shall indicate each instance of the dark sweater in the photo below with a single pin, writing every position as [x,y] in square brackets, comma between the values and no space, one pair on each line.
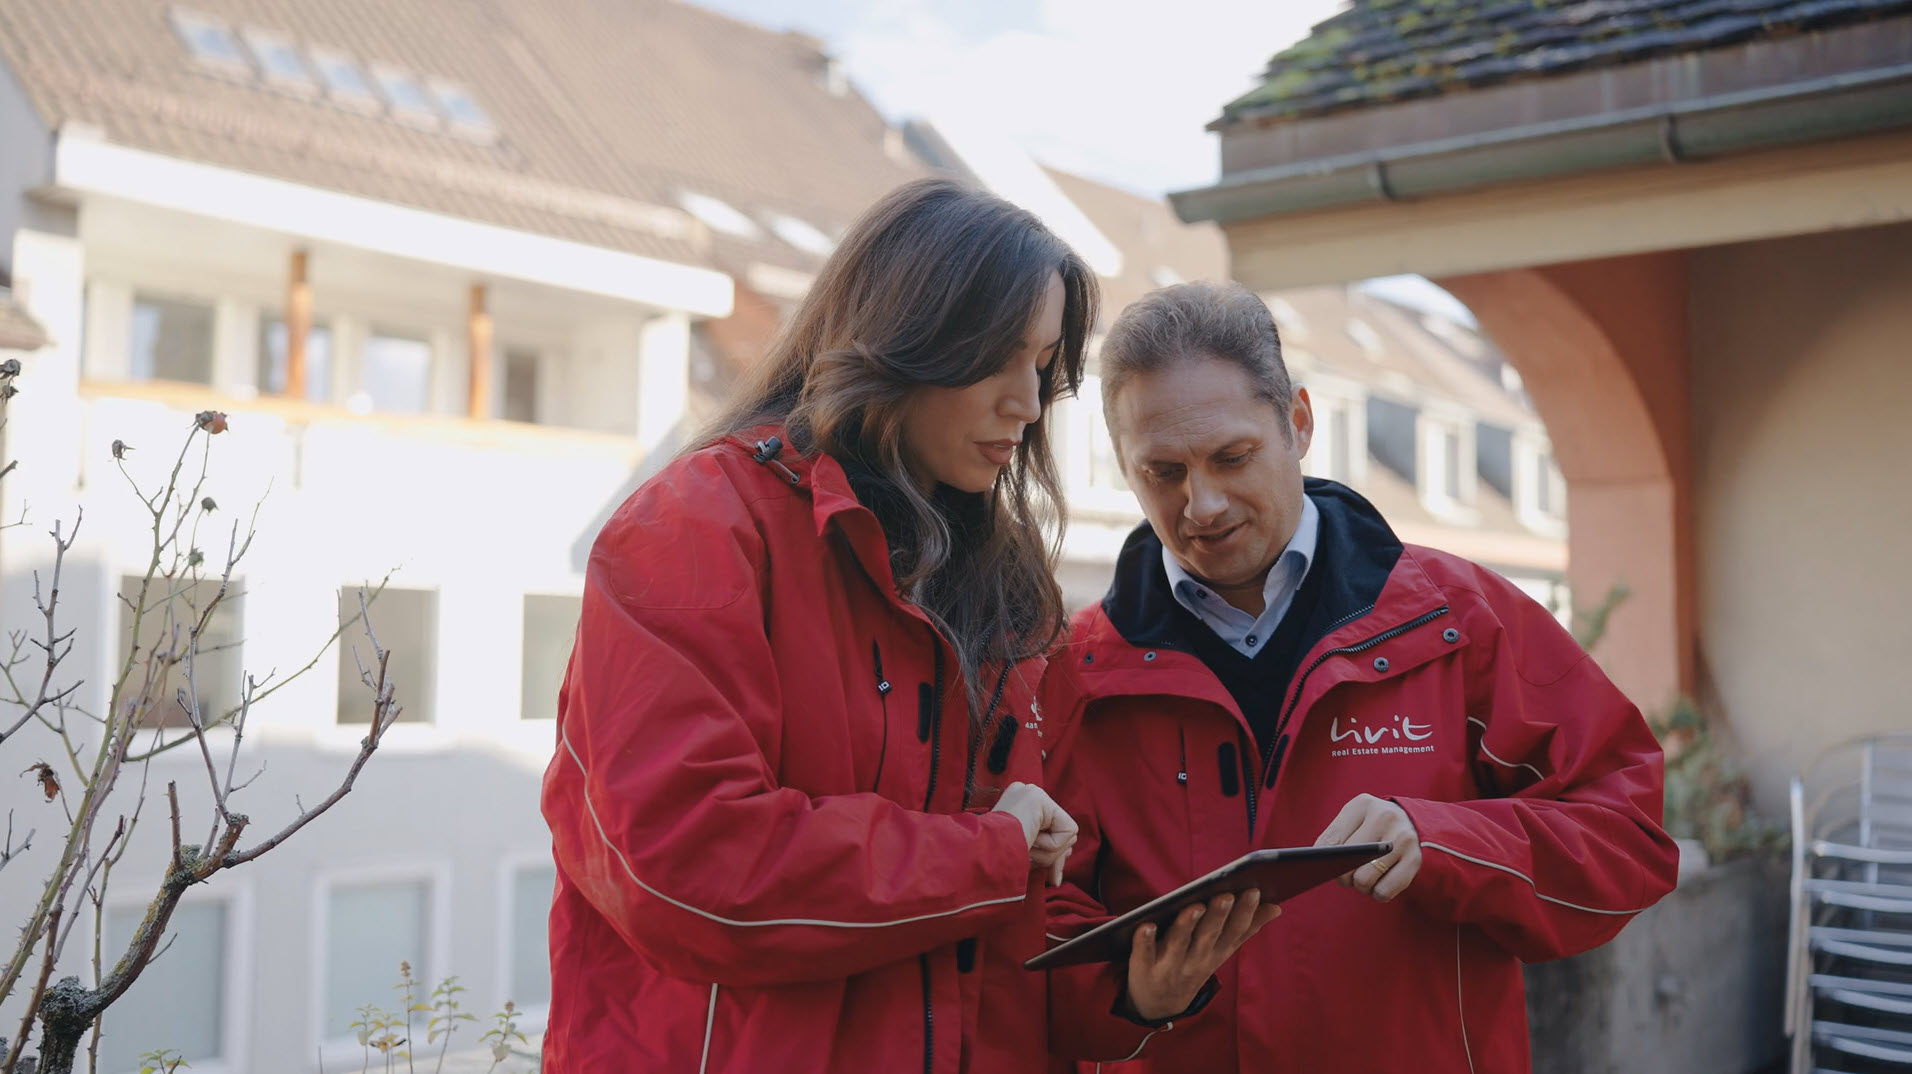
[1259,684]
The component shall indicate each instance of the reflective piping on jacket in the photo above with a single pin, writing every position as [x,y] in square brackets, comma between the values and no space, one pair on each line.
[1530,883]
[628,871]
[1538,774]
[1459,1006]
[710,1019]
[1144,1044]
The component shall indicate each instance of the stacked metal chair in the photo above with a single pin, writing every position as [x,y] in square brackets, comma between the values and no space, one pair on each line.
[1849,980]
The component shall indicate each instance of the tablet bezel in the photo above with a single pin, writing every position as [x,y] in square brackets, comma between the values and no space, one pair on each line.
[1110,940]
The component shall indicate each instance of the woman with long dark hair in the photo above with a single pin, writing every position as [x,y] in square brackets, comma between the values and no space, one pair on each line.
[794,802]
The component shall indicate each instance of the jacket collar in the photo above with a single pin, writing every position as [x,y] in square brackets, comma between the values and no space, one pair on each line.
[1365,576]
[833,499]
[1355,554]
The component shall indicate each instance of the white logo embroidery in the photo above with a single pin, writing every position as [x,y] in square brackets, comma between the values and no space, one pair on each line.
[1361,741]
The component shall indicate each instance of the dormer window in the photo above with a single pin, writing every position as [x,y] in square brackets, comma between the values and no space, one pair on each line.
[210,43]
[284,68]
[408,101]
[346,85]
[719,215]
[467,118]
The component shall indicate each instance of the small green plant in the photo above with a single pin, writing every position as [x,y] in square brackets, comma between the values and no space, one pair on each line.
[445,1016]
[504,1030]
[162,1062]
[390,1033]
[1708,797]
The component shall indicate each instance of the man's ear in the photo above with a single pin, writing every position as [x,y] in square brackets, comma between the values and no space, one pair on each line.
[1301,420]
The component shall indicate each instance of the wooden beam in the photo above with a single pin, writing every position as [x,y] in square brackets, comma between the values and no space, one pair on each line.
[478,346]
[298,325]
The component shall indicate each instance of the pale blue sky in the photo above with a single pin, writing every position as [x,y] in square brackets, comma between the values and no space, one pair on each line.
[1118,90]
[1111,89]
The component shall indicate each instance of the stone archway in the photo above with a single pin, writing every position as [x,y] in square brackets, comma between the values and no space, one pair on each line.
[1602,347]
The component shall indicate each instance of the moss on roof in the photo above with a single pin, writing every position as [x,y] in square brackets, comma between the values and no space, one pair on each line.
[1378,51]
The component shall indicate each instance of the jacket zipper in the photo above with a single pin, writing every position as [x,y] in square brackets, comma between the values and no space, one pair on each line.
[1278,742]
[935,721]
[929,1022]
[883,692]
[969,765]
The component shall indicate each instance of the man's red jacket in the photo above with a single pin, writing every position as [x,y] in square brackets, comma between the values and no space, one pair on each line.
[1533,783]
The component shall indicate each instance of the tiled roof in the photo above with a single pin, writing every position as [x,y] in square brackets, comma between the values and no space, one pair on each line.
[606,111]
[1388,50]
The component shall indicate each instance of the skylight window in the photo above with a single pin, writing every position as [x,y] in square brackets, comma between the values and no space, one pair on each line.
[209,42]
[461,108]
[344,81]
[718,214]
[284,67]
[408,101]
[800,234]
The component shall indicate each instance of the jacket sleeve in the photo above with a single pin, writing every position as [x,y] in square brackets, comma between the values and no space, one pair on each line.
[663,802]
[1568,846]
[1083,999]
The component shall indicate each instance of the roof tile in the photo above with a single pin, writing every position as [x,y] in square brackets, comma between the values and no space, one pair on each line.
[1383,50]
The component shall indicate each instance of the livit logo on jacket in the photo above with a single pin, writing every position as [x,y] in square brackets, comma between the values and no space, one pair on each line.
[1395,736]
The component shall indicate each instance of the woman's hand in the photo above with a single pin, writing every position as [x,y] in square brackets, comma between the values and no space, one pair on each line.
[1049,831]
[1166,974]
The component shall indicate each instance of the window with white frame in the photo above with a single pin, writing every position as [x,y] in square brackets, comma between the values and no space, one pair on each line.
[1441,473]
[1103,470]
[180,1002]
[1328,454]
[1550,488]
[170,339]
[371,927]
[273,345]
[550,627]
[528,976]
[406,622]
[396,376]
[165,621]
[519,401]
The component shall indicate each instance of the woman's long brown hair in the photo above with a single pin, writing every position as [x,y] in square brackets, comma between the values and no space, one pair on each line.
[937,284]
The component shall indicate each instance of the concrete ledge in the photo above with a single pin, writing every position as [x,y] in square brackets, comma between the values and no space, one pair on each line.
[1693,986]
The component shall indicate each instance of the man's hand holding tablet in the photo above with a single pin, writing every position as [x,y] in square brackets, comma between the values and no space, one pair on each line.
[1165,974]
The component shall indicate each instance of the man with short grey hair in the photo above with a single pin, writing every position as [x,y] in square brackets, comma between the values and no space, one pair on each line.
[1272,667]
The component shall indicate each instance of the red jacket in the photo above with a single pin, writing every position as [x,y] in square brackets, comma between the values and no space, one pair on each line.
[1534,785]
[767,859]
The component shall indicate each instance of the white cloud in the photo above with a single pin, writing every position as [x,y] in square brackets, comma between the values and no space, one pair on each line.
[1117,89]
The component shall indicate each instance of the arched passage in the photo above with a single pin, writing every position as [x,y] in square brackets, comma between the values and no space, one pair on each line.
[1602,347]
